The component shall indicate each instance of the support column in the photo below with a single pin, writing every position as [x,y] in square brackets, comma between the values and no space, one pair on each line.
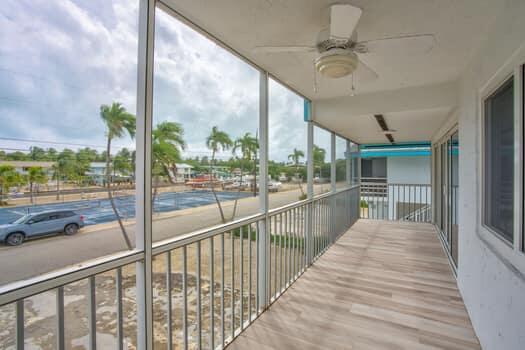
[310,191]
[333,168]
[143,236]
[348,159]
[262,249]
[310,160]
[333,187]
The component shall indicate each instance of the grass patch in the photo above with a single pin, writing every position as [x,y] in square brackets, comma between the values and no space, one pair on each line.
[285,241]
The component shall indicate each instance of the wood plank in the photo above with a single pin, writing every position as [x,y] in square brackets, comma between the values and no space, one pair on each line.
[383,285]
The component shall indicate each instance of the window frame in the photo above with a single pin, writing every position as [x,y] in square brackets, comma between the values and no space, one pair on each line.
[511,254]
[484,219]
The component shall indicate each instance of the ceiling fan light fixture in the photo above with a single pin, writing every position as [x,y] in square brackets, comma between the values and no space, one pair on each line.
[336,63]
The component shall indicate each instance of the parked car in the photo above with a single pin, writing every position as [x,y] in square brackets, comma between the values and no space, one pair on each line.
[321,180]
[274,186]
[40,224]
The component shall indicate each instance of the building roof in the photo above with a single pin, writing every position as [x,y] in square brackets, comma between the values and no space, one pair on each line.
[183,166]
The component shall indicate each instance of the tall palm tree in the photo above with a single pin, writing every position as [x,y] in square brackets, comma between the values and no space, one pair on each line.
[56,176]
[167,145]
[319,155]
[218,140]
[118,122]
[295,157]
[248,145]
[8,177]
[35,175]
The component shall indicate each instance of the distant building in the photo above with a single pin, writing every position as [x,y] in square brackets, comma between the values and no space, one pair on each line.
[97,174]
[407,163]
[183,172]
[22,167]
[390,171]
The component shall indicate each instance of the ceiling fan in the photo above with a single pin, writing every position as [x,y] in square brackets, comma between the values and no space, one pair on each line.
[339,53]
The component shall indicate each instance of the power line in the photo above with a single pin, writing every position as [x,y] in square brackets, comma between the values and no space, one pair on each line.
[55,142]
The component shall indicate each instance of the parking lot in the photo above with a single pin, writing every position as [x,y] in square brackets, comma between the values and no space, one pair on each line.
[97,211]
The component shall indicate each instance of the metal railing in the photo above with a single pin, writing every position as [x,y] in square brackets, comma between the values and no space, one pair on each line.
[403,202]
[208,286]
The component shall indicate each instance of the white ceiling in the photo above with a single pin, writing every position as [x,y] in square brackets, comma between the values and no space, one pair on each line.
[459,27]
[416,113]
[423,123]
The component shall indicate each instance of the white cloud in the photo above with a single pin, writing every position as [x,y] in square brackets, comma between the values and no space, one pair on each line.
[60,60]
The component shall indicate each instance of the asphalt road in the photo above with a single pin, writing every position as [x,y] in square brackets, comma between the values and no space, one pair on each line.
[47,254]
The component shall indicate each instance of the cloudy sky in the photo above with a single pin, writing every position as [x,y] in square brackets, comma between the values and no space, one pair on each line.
[61,59]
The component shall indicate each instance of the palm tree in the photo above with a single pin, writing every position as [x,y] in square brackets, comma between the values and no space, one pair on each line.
[64,167]
[35,175]
[56,176]
[167,146]
[218,140]
[295,157]
[118,122]
[319,155]
[248,145]
[8,177]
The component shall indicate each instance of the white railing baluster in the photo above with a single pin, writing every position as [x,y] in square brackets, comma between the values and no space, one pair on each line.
[92,307]
[120,316]
[60,318]
[212,293]
[20,338]
[169,324]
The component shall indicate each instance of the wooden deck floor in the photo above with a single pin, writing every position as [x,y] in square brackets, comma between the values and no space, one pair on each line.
[383,285]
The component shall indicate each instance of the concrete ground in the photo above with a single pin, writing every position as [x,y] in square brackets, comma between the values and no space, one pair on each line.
[47,254]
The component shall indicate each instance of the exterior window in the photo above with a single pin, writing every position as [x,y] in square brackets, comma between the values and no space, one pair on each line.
[499,161]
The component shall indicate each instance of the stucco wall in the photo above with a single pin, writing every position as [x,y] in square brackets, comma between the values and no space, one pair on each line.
[493,291]
[408,170]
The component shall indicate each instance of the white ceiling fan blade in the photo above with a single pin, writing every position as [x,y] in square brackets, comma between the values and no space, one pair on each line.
[343,20]
[279,49]
[402,45]
[364,73]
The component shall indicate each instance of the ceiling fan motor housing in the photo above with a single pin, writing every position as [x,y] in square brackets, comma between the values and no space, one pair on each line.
[336,63]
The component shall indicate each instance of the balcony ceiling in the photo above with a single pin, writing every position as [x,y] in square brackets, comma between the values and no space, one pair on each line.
[458,26]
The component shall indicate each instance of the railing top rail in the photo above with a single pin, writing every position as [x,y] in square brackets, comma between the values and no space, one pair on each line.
[51,280]
[328,194]
[406,184]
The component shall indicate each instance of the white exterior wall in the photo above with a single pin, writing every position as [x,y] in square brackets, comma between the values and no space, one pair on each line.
[408,170]
[492,287]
